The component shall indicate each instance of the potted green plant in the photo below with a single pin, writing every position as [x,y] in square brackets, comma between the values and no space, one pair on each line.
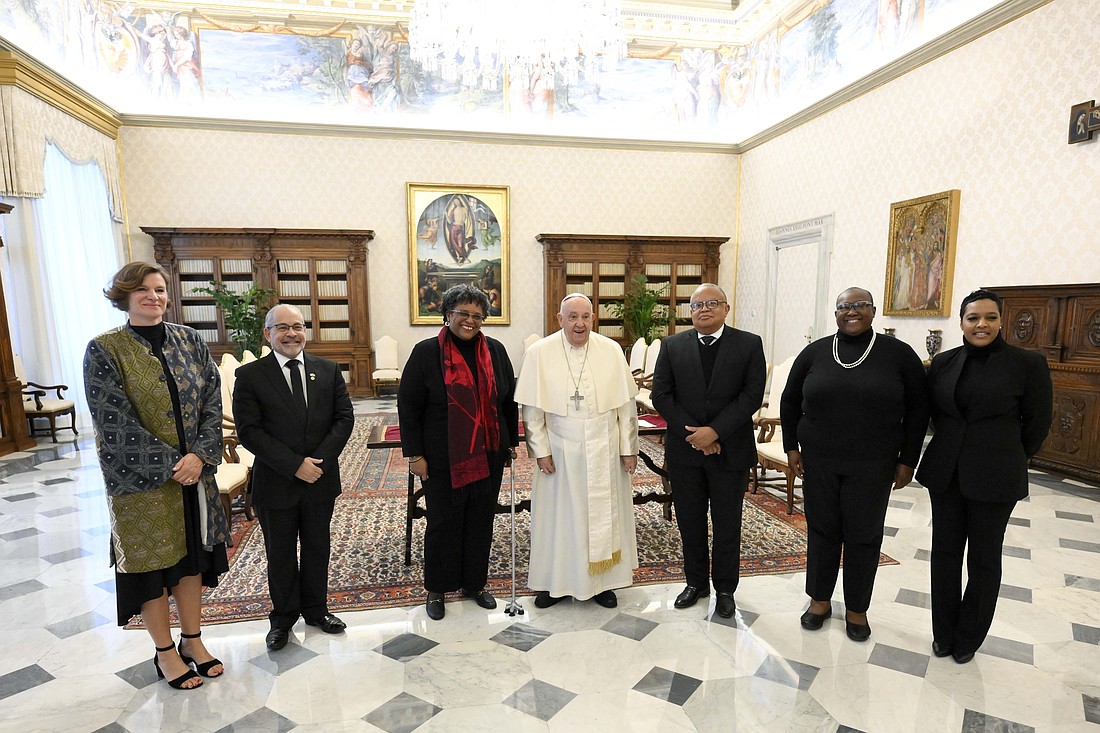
[642,309]
[243,313]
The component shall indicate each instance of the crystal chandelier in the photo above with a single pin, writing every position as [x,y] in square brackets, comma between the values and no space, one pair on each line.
[473,41]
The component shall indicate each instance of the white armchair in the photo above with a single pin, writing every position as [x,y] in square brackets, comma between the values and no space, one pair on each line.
[387,370]
[38,405]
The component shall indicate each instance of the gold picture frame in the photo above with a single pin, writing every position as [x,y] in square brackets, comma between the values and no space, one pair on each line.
[457,234]
[920,258]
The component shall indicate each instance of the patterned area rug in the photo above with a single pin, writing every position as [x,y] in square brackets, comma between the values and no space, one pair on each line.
[367,568]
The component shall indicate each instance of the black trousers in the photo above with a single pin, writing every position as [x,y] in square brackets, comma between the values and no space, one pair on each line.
[961,618]
[845,504]
[693,488]
[297,589]
[459,533]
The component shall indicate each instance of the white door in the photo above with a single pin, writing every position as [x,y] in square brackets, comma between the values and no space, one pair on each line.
[797,306]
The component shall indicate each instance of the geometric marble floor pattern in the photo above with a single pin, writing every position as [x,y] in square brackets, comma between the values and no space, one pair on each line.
[643,666]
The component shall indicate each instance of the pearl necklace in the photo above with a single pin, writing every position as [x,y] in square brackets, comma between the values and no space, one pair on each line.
[857,362]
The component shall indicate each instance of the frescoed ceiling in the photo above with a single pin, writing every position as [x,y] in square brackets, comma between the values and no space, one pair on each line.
[705,72]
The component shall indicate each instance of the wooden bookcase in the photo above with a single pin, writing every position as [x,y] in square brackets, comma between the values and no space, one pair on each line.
[1062,322]
[323,272]
[602,265]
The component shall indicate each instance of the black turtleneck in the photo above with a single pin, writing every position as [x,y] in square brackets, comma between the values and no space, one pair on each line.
[155,335]
[468,349]
[971,376]
[869,412]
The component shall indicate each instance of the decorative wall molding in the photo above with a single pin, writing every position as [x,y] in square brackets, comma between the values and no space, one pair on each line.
[36,79]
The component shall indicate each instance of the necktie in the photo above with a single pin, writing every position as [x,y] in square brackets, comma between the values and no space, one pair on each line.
[707,340]
[296,383]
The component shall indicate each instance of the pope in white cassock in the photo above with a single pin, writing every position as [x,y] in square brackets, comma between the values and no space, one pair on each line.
[582,427]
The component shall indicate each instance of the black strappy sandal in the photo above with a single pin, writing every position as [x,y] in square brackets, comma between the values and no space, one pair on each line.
[176,684]
[205,667]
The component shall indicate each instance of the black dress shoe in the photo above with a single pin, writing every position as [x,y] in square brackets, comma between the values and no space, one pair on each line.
[277,638]
[814,621]
[857,632]
[962,658]
[482,598]
[941,650]
[435,607]
[689,596]
[545,600]
[328,624]
[725,606]
[606,599]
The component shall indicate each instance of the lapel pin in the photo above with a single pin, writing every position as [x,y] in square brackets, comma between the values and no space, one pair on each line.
[312,377]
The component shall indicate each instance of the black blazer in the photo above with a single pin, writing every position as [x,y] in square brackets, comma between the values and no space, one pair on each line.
[270,426]
[728,405]
[1006,426]
[422,405]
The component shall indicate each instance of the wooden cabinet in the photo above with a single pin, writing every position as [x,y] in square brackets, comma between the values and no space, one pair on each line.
[14,434]
[322,272]
[1062,322]
[602,265]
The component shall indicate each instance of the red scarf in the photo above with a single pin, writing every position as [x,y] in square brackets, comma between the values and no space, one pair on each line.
[473,428]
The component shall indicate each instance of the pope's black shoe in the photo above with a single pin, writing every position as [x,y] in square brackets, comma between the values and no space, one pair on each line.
[606,599]
[689,596]
[277,638]
[545,600]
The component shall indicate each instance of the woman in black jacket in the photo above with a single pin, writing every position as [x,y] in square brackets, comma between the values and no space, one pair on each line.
[991,409]
[459,429]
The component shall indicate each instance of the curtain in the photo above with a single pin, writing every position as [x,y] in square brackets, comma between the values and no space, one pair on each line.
[61,250]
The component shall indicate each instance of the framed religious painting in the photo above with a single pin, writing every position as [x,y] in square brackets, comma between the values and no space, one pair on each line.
[920,257]
[457,235]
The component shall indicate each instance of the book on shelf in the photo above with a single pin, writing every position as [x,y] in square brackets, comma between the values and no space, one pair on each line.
[612,289]
[236,267]
[658,270]
[237,286]
[331,267]
[294,267]
[199,313]
[611,331]
[578,268]
[294,288]
[584,288]
[307,311]
[689,269]
[196,267]
[333,311]
[683,310]
[208,334]
[684,290]
[334,333]
[332,288]
[612,268]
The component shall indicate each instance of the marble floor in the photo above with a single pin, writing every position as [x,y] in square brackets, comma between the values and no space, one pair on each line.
[644,666]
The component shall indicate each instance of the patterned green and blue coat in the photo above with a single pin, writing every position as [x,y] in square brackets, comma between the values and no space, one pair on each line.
[136,441]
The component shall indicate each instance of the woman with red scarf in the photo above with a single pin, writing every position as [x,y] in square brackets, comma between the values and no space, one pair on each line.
[459,429]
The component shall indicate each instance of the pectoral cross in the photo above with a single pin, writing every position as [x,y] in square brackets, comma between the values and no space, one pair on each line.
[577,397]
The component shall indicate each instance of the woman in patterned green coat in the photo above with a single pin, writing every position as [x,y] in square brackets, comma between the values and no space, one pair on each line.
[155,398]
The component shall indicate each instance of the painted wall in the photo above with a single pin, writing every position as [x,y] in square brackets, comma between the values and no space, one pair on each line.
[179,177]
[991,119]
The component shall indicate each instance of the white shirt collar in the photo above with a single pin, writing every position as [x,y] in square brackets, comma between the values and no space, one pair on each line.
[717,334]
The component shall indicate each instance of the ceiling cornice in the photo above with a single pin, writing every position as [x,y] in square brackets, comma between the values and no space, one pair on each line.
[403,133]
[991,20]
[42,82]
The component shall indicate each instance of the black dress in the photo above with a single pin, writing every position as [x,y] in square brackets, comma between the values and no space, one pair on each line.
[134,589]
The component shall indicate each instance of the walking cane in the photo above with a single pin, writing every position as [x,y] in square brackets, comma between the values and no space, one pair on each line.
[513,606]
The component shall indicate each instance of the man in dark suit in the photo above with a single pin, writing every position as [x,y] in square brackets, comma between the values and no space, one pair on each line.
[293,411]
[708,384]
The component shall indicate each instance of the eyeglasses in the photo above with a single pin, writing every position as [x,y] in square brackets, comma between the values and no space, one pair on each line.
[861,305]
[284,327]
[708,304]
[472,316]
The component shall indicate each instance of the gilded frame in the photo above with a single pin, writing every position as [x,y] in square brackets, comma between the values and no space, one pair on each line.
[920,258]
[457,234]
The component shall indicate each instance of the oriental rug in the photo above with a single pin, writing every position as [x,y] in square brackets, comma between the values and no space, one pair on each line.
[367,567]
